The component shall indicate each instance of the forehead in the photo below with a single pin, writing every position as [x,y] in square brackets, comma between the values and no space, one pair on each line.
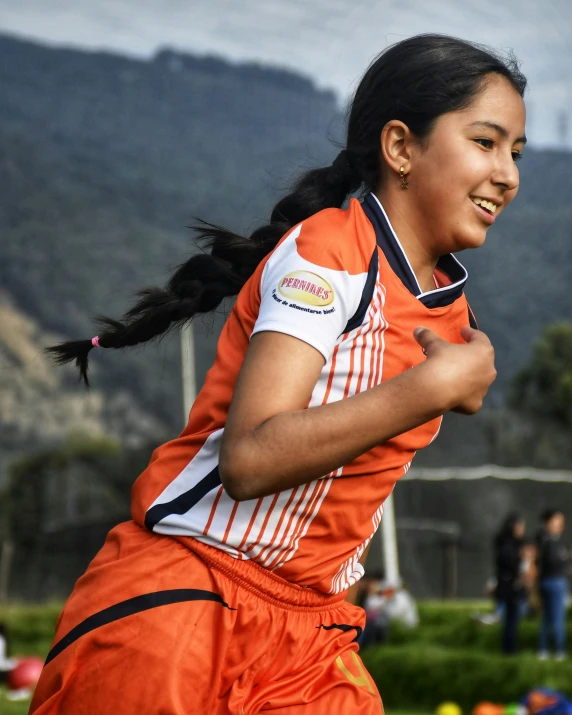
[498,102]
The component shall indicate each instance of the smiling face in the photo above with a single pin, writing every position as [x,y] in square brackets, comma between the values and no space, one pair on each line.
[469,158]
[555,526]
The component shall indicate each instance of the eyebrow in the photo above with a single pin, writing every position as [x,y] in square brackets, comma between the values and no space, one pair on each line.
[497,128]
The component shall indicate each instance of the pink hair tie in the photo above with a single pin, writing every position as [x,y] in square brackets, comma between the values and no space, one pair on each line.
[95,342]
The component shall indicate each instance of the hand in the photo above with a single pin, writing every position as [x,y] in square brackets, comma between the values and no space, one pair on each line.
[465,371]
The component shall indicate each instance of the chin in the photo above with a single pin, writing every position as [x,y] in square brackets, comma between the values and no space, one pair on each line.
[467,241]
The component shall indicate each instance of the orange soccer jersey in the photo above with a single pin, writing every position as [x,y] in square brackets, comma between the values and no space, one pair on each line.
[341,282]
[243,610]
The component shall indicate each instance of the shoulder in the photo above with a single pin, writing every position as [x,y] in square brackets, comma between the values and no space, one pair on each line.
[336,239]
[318,273]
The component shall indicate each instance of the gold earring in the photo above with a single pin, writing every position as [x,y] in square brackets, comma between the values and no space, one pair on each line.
[403,178]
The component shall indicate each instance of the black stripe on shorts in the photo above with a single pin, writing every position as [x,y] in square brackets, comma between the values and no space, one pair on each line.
[343,627]
[131,606]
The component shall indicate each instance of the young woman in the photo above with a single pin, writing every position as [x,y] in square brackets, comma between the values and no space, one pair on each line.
[553,563]
[511,591]
[348,341]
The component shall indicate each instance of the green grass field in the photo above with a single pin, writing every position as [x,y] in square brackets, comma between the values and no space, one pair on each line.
[20,707]
[450,656]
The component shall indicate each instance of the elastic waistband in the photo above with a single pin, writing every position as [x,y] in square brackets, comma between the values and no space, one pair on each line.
[265,584]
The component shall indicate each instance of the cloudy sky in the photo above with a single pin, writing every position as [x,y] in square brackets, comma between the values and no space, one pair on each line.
[332,41]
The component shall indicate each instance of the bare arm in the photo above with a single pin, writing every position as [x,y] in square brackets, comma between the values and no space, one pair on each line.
[272,443]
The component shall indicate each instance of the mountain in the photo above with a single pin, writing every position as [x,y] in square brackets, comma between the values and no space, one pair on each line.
[38,409]
[104,160]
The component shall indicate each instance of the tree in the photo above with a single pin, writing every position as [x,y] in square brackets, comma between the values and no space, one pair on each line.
[543,389]
[534,427]
[44,487]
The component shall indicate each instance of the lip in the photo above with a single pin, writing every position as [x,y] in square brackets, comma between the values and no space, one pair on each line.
[485,215]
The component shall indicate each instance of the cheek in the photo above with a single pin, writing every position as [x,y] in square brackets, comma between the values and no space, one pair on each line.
[473,170]
[439,187]
[452,176]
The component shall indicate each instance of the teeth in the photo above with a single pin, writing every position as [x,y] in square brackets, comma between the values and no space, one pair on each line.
[486,204]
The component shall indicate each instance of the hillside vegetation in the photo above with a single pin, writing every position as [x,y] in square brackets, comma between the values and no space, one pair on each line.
[104,160]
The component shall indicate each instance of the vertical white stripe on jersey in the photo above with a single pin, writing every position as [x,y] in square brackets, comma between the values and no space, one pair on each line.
[379,353]
[253,533]
[351,570]
[319,392]
[374,326]
[282,525]
[263,534]
[341,370]
[321,495]
[374,323]
[219,526]
[294,526]
[365,343]
[369,330]
[314,493]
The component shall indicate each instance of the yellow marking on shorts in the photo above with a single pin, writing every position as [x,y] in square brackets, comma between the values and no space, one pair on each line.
[360,680]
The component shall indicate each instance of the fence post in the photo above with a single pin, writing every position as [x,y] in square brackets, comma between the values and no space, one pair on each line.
[6,555]
[188,369]
[388,529]
[450,569]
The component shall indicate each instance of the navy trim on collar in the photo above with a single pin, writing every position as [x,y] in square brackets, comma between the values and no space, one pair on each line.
[395,255]
[367,294]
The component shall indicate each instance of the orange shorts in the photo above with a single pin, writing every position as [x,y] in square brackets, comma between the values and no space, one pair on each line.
[159,626]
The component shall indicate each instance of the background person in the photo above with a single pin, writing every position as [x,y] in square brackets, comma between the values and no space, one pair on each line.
[553,561]
[6,662]
[529,577]
[510,590]
[373,599]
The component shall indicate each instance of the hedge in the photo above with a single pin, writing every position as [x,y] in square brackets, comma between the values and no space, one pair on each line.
[451,626]
[31,628]
[419,677]
[452,656]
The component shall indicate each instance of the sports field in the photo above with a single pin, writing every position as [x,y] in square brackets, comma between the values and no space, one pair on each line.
[449,657]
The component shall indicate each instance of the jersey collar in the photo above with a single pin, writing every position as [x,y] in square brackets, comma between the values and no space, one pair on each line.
[393,250]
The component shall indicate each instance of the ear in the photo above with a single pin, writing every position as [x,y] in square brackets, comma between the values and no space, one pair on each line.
[396,143]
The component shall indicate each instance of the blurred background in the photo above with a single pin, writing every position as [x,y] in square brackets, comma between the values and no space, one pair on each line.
[120,123]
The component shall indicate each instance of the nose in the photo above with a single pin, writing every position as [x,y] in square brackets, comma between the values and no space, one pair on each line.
[505,173]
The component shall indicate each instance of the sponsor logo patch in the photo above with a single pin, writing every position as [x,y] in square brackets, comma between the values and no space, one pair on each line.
[306,287]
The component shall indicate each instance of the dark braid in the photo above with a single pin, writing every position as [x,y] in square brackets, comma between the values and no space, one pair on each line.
[201,284]
[414,81]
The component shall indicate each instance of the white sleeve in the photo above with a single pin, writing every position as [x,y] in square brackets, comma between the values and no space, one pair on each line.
[306,299]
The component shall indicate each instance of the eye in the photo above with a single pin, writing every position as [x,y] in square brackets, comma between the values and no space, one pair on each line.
[517,155]
[487,143]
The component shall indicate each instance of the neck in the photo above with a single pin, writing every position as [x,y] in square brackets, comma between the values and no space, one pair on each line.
[408,228]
